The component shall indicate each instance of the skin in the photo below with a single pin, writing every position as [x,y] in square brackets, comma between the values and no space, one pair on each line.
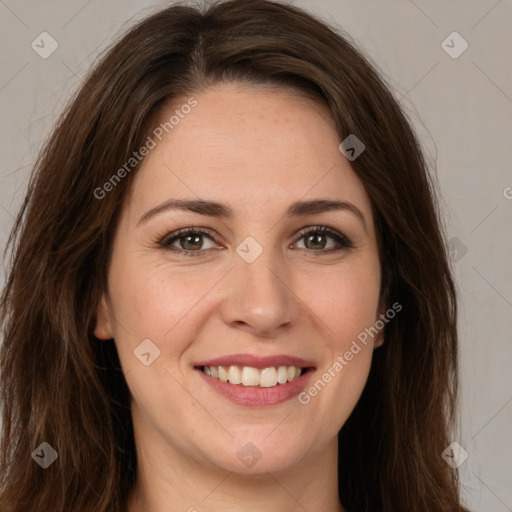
[256,149]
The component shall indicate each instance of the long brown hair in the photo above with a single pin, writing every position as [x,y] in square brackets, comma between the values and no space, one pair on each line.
[62,386]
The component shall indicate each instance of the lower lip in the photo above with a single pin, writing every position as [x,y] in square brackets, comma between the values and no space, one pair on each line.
[255,396]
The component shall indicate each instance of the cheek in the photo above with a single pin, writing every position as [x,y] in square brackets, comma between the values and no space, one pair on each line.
[147,299]
[345,300]
[346,303]
[347,310]
[158,302]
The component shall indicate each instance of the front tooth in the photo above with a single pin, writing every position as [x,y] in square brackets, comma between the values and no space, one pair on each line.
[250,376]
[268,377]
[223,374]
[214,372]
[282,375]
[235,375]
[291,373]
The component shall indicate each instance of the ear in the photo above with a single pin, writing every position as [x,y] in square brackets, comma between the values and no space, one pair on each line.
[103,329]
[379,341]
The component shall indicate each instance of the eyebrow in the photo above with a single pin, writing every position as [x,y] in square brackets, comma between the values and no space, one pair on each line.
[215,209]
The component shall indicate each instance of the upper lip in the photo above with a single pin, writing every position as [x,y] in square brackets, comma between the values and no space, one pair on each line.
[259,362]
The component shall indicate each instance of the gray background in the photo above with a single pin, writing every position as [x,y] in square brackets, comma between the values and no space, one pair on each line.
[461,108]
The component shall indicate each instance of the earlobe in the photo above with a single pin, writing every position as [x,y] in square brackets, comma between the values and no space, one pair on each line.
[379,341]
[103,328]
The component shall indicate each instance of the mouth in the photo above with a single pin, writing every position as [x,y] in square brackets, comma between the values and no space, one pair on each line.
[249,376]
[254,381]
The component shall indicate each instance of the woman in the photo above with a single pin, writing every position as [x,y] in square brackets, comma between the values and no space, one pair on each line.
[229,288]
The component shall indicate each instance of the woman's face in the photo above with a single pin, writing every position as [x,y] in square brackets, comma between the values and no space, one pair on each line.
[260,289]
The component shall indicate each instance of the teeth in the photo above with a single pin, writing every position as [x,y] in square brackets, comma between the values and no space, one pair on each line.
[249,376]
[268,378]
[223,374]
[234,375]
[282,375]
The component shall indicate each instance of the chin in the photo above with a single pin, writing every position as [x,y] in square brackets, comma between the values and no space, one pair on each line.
[259,450]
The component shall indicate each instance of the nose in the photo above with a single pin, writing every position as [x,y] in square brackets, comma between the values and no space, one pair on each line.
[259,297]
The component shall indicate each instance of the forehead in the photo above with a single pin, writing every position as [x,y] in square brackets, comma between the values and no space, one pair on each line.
[247,146]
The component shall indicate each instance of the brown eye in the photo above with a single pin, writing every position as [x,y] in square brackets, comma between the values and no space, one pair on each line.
[317,240]
[191,242]
[188,240]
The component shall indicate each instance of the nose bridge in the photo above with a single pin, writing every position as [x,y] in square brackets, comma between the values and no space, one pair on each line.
[259,295]
[264,275]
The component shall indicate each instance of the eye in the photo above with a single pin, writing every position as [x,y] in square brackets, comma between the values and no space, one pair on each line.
[188,241]
[317,239]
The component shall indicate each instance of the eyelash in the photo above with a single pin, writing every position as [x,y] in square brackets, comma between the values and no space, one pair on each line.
[166,242]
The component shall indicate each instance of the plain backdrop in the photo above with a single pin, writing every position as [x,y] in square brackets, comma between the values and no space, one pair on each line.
[460,103]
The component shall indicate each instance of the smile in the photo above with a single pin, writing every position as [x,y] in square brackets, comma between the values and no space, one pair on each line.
[250,376]
[256,381]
